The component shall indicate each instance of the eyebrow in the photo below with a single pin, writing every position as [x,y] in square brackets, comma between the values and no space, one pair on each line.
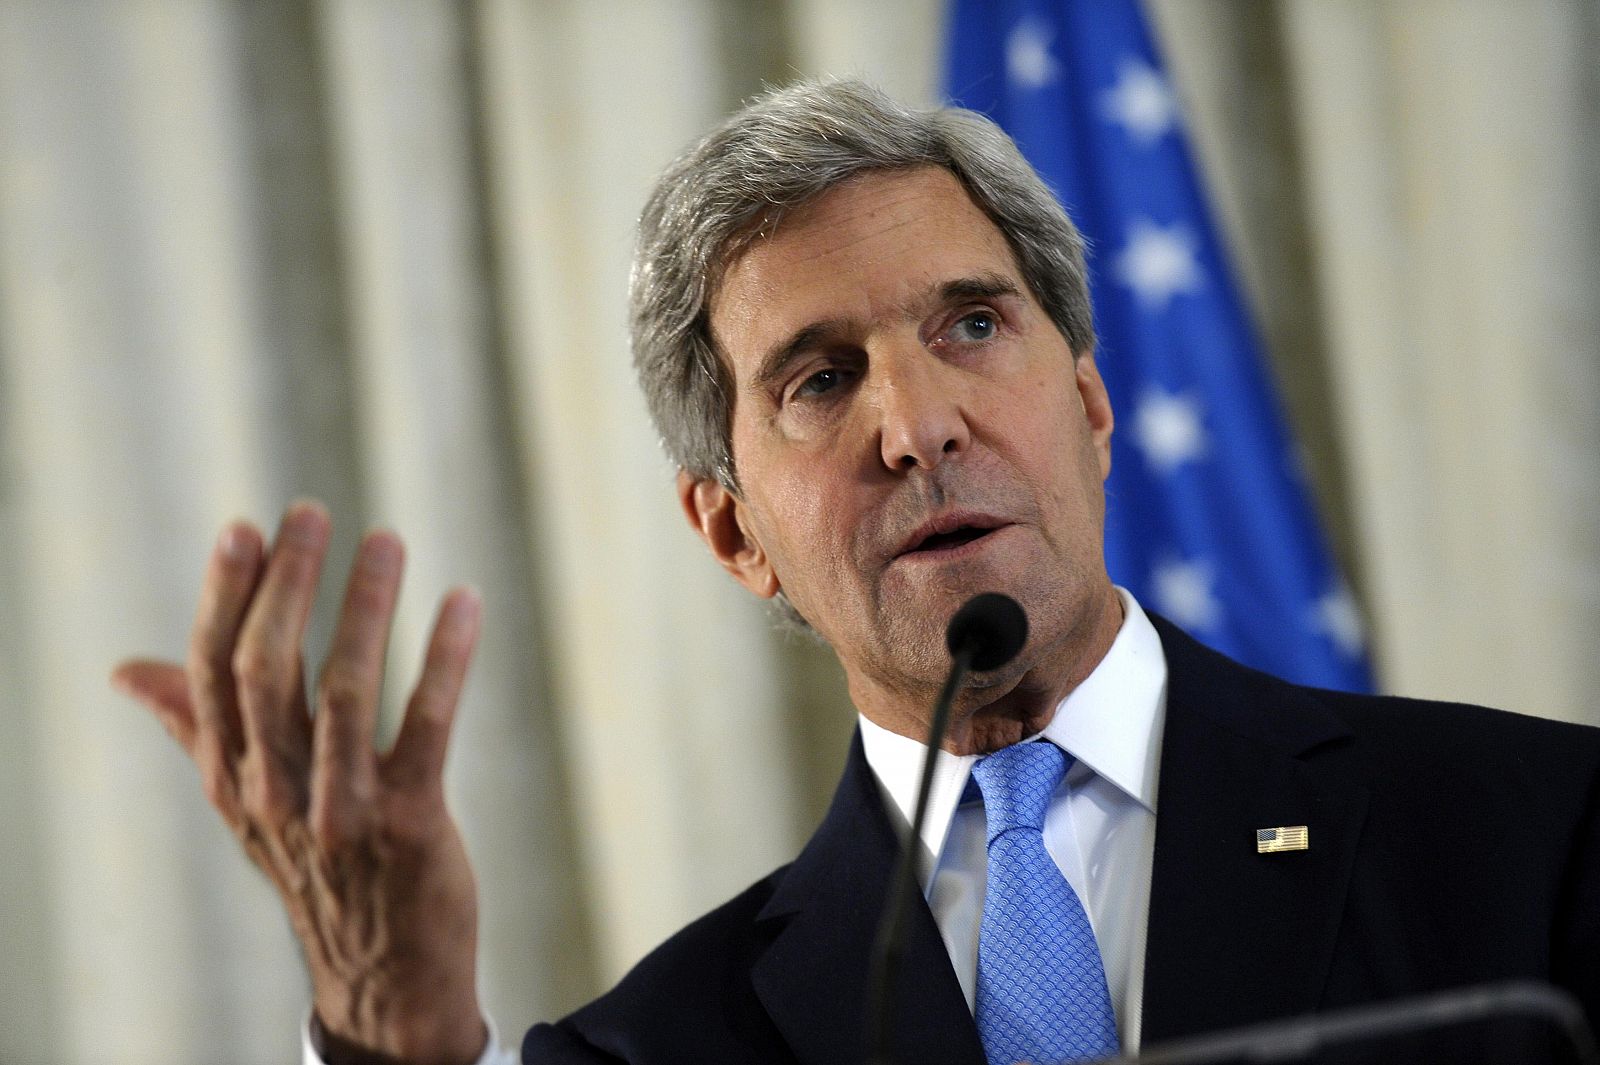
[961,290]
[981,287]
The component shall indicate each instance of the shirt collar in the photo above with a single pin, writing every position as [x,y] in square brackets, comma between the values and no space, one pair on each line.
[1111,723]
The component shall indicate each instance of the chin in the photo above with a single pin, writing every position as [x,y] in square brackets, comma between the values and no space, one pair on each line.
[988,732]
[1007,676]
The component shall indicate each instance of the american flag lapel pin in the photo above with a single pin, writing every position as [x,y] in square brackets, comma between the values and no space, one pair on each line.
[1283,838]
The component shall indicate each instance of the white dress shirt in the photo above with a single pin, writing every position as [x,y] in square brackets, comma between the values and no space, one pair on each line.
[1100,827]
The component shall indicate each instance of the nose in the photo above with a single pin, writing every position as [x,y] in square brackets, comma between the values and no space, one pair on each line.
[922,422]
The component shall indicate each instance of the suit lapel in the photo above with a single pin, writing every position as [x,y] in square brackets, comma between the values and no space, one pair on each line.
[1236,936]
[812,979]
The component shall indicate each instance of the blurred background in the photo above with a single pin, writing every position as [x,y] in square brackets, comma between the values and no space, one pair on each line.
[375,252]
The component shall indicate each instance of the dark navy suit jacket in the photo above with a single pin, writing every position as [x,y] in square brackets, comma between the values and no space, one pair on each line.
[1448,845]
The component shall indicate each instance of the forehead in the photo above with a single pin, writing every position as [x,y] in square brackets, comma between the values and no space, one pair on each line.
[877,245]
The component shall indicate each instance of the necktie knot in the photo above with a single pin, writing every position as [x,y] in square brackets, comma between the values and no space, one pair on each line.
[1017,783]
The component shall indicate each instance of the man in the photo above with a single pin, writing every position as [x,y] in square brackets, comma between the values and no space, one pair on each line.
[865,338]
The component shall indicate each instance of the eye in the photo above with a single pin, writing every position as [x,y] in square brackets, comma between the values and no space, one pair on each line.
[977,326]
[820,383]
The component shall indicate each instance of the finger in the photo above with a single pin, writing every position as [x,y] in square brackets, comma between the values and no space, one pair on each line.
[417,761]
[349,689]
[230,581]
[164,688]
[267,666]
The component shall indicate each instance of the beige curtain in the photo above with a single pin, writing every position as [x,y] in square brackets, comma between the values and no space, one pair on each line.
[1453,182]
[375,251]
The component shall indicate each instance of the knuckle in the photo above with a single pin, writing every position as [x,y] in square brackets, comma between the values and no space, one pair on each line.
[340,691]
[256,671]
[268,798]
[344,814]
[204,675]
[331,831]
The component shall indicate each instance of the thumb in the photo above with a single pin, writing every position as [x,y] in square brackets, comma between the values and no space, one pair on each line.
[164,688]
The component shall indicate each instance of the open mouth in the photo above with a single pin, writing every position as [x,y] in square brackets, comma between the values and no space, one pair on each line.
[954,538]
[945,543]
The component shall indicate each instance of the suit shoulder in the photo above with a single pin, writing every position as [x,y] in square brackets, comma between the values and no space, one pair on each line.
[1416,744]
[1475,763]
[1450,730]
[1263,702]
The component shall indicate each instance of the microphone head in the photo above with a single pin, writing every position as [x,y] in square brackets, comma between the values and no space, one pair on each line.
[990,628]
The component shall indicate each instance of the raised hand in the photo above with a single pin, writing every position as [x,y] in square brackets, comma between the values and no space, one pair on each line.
[360,846]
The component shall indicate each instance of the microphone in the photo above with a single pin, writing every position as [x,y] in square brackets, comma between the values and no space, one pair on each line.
[988,630]
[985,634]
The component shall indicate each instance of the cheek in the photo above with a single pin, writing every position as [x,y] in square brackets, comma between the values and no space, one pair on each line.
[801,514]
[796,521]
[811,535]
[1060,453]
[1048,422]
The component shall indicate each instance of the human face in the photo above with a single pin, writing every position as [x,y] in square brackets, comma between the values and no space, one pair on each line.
[909,429]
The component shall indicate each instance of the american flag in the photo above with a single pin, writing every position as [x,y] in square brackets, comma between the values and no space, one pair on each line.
[1208,518]
[1284,838]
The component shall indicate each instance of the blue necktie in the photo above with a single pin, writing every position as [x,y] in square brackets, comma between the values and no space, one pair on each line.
[1042,995]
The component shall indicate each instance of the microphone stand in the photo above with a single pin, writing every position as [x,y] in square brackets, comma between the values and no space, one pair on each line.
[890,942]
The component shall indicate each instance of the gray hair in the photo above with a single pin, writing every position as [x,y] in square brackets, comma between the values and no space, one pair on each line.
[784,149]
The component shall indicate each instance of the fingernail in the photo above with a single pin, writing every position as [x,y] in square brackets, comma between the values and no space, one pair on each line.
[305,521]
[382,547]
[232,543]
[464,606]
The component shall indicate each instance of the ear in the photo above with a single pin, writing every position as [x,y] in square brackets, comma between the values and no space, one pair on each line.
[719,517]
[1096,409]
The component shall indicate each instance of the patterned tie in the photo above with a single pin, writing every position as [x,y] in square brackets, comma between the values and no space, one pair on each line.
[1042,995]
